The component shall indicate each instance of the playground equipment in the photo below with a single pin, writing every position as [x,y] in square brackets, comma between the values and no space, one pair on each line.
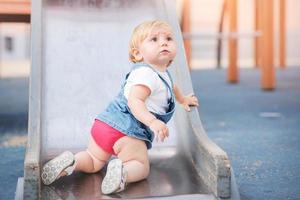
[79,59]
[263,35]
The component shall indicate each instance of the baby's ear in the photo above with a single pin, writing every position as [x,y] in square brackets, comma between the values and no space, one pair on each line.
[136,54]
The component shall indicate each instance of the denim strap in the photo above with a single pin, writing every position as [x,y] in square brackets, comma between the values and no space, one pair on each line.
[141,64]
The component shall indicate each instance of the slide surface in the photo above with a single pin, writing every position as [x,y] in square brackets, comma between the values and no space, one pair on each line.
[80,58]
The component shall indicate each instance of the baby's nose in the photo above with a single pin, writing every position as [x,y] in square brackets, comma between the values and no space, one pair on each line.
[164,43]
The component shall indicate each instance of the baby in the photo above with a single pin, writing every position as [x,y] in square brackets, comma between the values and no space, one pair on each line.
[127,127]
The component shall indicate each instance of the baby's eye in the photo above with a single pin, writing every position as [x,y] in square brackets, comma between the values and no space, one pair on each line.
[154,39]
[169,38]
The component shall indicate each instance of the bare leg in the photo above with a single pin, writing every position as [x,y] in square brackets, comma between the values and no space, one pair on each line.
[89,161]
[92,160]
[133,153]
[136,171]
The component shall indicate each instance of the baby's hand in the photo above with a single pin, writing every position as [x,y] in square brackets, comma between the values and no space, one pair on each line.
[190,100]
[160,130]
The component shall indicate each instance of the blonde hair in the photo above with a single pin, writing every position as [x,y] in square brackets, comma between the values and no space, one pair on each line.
[141,32]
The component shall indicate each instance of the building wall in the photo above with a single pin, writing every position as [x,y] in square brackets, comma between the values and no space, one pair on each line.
[14,49]
[15,41]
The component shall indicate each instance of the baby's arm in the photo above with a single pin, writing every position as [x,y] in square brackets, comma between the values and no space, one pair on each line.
[136,102]
[185,101]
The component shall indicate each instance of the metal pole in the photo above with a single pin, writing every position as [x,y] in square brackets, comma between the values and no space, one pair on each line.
[232,72]
[257,27]
[282,34]
[268,73]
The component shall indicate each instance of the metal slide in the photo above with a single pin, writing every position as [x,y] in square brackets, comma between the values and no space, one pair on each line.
[79,60]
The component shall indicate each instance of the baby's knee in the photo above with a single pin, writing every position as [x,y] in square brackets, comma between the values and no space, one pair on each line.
[146,170]
[137,170]
[144,166]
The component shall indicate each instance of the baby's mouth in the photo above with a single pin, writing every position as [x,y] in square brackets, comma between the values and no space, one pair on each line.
[165,51]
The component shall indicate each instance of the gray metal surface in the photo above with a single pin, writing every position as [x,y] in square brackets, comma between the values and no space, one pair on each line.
[32,156]
[168,177]
[81,60]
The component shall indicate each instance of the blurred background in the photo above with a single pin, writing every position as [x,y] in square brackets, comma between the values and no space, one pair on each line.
[204,19]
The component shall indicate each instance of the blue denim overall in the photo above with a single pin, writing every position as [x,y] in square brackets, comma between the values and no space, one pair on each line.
[119,116]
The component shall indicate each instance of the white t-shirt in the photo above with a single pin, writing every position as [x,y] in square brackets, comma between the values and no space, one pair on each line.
[157,102]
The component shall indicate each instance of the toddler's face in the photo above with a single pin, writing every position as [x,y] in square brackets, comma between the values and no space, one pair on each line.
[158,48]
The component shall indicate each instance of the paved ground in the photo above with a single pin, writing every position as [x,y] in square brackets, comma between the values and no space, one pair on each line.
[259,130]
[13,130]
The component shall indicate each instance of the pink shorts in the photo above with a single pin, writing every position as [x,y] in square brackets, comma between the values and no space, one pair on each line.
[105,136]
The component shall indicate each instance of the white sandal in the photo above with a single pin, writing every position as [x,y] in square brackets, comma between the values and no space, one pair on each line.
[53,168]
[115,178]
